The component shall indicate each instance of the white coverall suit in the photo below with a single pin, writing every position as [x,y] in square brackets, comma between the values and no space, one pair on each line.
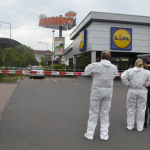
[137,96]
[101,94]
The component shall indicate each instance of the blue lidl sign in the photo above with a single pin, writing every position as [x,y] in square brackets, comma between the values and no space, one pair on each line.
[121,38]
[82,36]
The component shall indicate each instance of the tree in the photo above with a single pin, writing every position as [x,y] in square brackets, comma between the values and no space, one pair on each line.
[20,56]
[10,57]
[43,61]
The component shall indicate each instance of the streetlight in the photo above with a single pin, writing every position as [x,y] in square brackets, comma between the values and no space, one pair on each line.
[44,43]
[47,52]
[10,27]
[52,48]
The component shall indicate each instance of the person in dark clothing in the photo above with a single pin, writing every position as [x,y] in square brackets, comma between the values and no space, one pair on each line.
[146,62]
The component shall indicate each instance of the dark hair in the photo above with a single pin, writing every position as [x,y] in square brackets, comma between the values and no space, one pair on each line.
[106,55]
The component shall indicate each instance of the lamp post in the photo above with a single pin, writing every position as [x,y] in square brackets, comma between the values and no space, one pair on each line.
[47,52]
[44,43]
[52,48]
[10,27]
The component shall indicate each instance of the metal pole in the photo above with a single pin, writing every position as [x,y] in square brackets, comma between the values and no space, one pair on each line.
[52,48]
[47,55]
[60,35]
[10,27]
[65,66]
[10,31]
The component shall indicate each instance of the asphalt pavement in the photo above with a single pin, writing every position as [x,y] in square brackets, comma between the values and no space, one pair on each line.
[53,114]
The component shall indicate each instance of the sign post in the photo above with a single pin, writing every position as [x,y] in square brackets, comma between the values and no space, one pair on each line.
[59,23]
[65,63]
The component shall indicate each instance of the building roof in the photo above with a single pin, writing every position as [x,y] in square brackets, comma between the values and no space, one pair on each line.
[42,51]
[109,17]
[8,43]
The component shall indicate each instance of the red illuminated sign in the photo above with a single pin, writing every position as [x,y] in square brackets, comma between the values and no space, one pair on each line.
[55,21]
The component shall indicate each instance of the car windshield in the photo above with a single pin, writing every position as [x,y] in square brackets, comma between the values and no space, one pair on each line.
[37,68]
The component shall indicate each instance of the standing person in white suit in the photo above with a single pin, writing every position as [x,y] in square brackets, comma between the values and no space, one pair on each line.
[137,79]
[101,94]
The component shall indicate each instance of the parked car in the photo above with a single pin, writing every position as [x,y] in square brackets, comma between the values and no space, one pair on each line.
[39,70]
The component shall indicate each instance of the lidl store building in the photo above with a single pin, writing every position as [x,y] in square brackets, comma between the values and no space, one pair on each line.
[125,36]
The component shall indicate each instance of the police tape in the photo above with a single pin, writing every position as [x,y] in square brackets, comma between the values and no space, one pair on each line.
[47,72]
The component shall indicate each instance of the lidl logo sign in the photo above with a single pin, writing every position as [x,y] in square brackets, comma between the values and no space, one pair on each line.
[82,37]
[121,38]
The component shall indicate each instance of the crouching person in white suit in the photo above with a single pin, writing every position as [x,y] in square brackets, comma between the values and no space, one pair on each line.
[101,94]
[137,79]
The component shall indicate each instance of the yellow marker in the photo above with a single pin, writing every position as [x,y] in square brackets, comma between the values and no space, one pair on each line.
[47,79]
[32,78]
[19,77]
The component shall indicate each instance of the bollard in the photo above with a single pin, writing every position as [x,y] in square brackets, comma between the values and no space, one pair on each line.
[32,78]
[47,79]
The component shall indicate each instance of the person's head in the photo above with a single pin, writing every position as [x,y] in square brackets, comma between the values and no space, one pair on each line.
[139,63]
[146,62]
[106,55]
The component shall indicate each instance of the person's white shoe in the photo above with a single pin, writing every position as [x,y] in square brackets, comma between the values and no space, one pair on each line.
[130,127]
[88,136]
[139,129]
[104,136]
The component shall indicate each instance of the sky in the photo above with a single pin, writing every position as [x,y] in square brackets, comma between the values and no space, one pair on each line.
[23,17]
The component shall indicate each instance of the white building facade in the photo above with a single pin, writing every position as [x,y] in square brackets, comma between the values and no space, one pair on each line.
[100,36]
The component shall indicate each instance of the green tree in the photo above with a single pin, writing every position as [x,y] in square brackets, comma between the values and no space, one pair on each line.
[20,56]
[28,58]
[43,61]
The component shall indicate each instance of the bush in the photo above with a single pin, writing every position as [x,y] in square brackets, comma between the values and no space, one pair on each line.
[57,66]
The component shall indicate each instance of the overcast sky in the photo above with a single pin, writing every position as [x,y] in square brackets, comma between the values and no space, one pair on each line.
[23,16]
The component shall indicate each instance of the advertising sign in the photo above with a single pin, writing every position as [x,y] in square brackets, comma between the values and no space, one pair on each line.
[59,46]
[82,37]
[63,60]
[70,14]
[67,22]
[121,38]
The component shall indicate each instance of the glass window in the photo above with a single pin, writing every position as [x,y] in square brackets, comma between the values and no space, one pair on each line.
[112,58]
[117,59]
[124,58]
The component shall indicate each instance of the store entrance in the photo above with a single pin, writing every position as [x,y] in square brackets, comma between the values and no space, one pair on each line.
[121,65]
[122,60]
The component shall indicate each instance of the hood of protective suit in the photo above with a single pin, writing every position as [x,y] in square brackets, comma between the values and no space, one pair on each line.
[106,62]
[137,69]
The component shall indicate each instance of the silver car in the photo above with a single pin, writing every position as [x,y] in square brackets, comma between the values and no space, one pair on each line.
[39,70]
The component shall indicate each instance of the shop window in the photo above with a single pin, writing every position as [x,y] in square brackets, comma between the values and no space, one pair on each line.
[97,59]
[71,62]
[124,58]
[117,59]
[113,58]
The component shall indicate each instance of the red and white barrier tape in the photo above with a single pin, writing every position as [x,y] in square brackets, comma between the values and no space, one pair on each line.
[46,72]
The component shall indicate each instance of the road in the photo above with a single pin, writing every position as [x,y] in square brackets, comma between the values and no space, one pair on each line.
[53,114]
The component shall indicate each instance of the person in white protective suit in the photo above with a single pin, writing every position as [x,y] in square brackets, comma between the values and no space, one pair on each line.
[101,94]
[137,79]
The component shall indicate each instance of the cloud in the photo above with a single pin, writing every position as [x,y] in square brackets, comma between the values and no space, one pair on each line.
[23,16]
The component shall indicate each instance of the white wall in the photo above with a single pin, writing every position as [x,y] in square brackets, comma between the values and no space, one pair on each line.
[99,38]
[101,34]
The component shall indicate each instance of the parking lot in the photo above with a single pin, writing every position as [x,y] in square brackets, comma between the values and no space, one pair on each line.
[52,115]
